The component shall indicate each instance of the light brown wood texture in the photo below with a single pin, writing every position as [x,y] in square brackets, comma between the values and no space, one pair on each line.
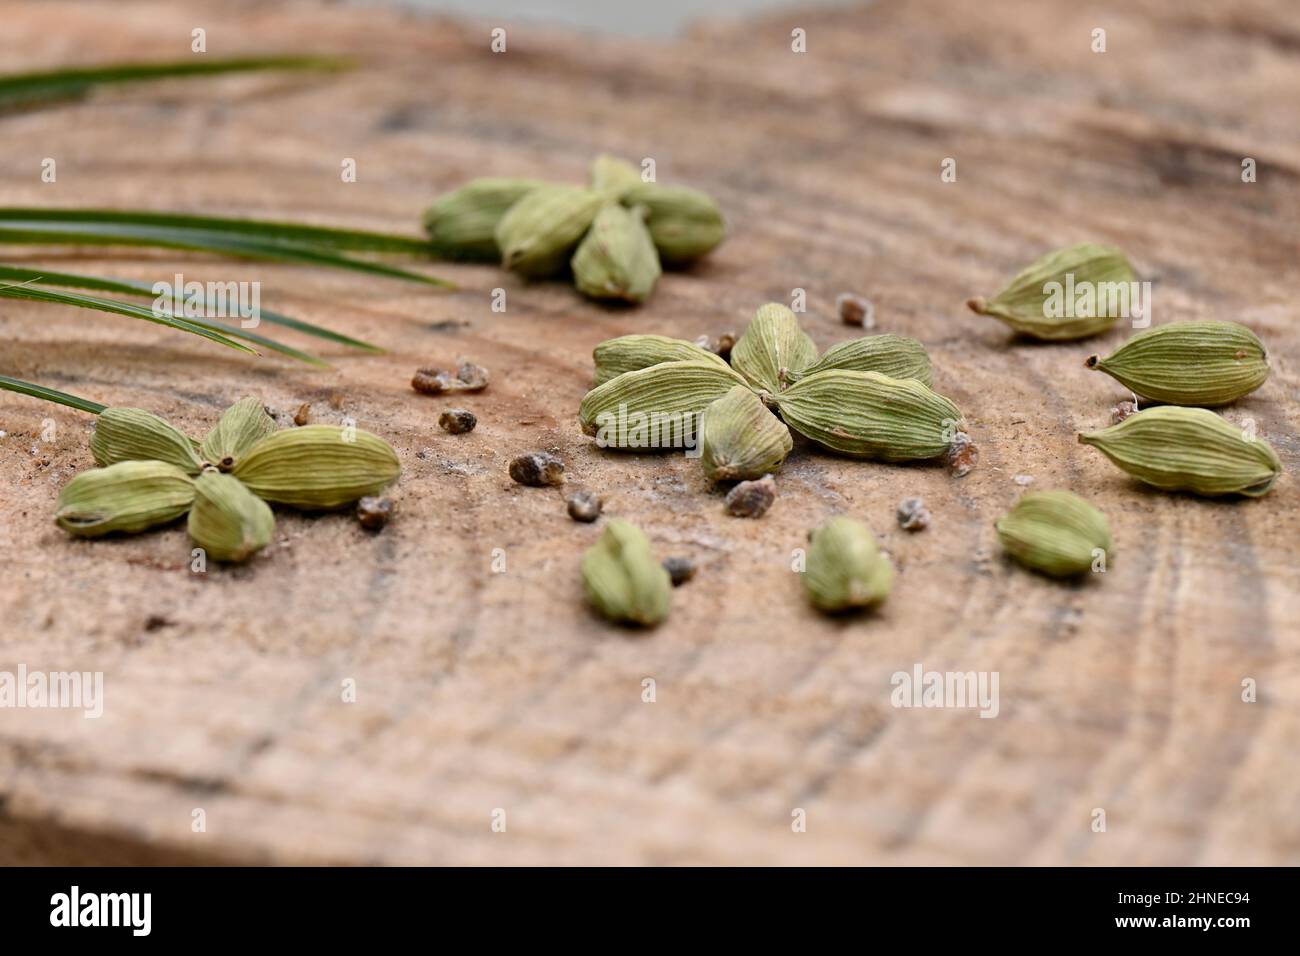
[479,690]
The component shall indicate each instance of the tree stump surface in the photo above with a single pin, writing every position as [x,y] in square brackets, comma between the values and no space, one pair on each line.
[479,692]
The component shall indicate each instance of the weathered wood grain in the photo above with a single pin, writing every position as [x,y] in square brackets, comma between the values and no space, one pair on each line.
[479,691]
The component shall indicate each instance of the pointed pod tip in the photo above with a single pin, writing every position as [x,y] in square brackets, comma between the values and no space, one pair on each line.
[977,305]
[1092,361]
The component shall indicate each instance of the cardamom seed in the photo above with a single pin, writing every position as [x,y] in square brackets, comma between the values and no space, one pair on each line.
[894,355]
[132,434]
[655,407]
[242,426]
[1189,363]
[740,438]
[627,353]
[462,224]
[751,499]
[1189,449]
[616,259]
[1055,532]
[539,232]
[622,578]
[129,496]
[1068,294]
[613,176]
[227,520]
[537,469]
[318,467]
[684,223]
[869,415]
[773,349]
[844,568]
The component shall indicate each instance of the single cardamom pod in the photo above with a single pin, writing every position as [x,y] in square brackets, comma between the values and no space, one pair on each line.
[1189,449]
[129,496]
[773,349]
[318,467]
[894,355]
[462,224]
[132,434]
[844,567]
[627,353]
[616,259]
[869,415]
[228,521]
[740,438]
[1056,532]
[539,232]
[622,578]
[1189,363]
[655,407]
[1068,294]
[242,426]
[613,176]
[684,223]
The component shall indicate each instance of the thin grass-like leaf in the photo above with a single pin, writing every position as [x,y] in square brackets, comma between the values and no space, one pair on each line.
[20,90]
[50,395]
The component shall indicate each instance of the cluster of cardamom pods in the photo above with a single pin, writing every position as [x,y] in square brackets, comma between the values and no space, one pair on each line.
[613,235]
[867,398]
[151,474]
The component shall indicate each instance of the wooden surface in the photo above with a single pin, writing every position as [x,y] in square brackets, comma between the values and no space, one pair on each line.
[478,691]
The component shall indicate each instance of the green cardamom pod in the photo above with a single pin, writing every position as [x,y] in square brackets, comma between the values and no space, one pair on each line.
[1056,532]
[462,224]
[894,355]
[740,438]
[655,407]
[627,353]
[1189,363]
[129,496]
[844,568]
[539,233]
[1189,449]
[242,426]
[684,223]
[1068,294]
[622,578]
[228,521]
[613,176]
[132,434]
[773,349]
[869,415]
[616,259]
[318,467]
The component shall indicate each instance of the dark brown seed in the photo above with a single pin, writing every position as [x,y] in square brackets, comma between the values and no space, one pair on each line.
[537,469]
[680,570]
[435,381]
[913,515]
[373,513]
[431,381]
[1122,411]
[721,346]
[303,415]
[457,421]
[854,310]
[751,499]
[962,455]
[472,378]
[583,506]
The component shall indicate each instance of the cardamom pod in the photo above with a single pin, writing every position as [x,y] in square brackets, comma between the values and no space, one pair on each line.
[622,578]
[1068,294]
[228,521]
[129,496]
[870,415]
[627,353]
[844,567]
[655,407]
[1055,532]
[740,438]
[1189,449]
[613,176]
[1189,363]
[539,232]
[318,467]
[616,259]
[242,426]
[684,223]
[894,355]
[462,224]
[132,434]
[773,349]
